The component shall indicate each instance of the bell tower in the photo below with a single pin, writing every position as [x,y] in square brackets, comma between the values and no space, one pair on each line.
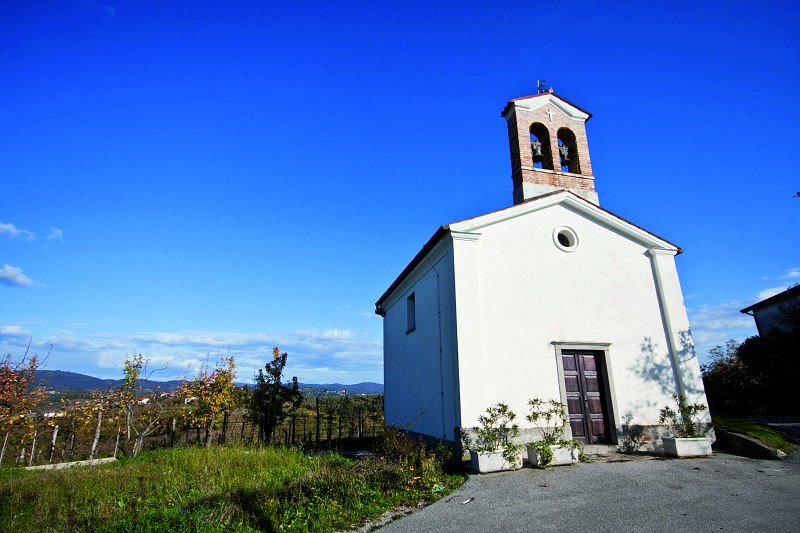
[549,151]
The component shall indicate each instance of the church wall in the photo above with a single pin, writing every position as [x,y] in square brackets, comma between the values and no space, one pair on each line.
[419,383]
[532,294]
[689,364]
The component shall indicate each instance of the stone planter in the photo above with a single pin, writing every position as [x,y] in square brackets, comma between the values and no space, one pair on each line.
[562,456]
[687,447]
[485,463]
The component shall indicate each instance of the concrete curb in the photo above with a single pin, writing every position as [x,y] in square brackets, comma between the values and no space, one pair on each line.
[747,446]
[59,466]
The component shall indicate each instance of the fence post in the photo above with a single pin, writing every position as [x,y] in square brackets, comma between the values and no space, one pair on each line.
[222,435]
[53,443]
[317,419]
[33,447]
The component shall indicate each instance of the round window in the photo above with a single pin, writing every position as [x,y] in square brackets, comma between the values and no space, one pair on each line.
[565,238]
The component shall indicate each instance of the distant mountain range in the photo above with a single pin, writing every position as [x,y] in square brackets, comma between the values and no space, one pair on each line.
[62,381]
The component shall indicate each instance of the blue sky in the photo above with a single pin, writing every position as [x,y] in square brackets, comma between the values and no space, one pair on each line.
[190,179]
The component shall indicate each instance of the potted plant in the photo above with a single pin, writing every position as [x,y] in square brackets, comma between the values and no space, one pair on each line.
[687,439]
[491,445]
[553,448]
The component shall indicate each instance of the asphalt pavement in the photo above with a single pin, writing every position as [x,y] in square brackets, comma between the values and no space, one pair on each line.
[720,493]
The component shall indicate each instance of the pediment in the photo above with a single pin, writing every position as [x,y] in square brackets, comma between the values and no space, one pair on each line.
[574,203]
[536,101]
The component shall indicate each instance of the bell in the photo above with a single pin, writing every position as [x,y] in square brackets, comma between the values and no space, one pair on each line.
[536,149]
[564,154]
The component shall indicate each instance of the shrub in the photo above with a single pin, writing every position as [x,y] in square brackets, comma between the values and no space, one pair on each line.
[684,423]
[496,433]
[632,436]
[551,418]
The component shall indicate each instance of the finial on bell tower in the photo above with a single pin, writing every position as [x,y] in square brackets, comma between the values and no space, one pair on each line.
[549,150]
[540,84]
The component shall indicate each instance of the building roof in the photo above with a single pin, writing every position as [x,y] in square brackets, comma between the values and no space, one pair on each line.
[496,216]
[774,300]
[549,93]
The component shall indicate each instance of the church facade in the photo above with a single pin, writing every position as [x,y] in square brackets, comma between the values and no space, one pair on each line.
[551,298]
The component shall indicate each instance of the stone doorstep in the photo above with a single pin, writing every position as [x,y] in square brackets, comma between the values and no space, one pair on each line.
[609,453]
[600,449]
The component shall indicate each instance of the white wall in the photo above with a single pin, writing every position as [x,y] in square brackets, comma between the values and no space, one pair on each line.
[517,293]
[419,382]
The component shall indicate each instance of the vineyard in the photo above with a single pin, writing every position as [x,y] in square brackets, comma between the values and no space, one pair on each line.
[209,410]
[210,457]
[320,423]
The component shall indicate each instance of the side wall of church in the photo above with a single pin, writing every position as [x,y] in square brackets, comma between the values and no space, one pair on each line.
[419,365]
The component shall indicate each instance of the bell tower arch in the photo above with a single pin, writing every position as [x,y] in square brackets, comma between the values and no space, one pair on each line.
[549,150]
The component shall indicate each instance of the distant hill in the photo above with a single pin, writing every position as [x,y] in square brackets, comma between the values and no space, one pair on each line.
[62,381]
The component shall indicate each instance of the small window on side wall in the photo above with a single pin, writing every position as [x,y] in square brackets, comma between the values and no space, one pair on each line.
[411,313]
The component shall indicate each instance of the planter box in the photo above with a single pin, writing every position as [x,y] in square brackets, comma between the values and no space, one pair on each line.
[561,456]
[694,447]
[485,463]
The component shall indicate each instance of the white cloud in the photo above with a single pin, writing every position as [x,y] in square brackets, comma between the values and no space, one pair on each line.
[55,234]
[793,273]
[13,232]
[772,291]
[315,356]
[14,277]
[14,330]
[715,324]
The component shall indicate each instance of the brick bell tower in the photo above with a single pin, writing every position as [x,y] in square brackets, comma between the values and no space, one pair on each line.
[549,151]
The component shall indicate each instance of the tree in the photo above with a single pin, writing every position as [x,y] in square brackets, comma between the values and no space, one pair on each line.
[271,400]
[142,413]
[213,392]
[760,374]
[18,396]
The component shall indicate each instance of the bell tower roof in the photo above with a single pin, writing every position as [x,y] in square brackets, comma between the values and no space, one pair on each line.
[536,101]
[549,150]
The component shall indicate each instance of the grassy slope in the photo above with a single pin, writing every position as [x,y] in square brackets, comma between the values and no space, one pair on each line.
[758,431]
[243,489]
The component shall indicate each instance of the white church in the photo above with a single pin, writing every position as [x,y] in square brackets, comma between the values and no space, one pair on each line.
[552,298]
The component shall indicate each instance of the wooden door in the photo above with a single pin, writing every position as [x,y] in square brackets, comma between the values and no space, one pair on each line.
[584,379]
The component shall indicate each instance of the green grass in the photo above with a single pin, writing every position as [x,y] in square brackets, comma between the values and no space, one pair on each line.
[217,489]
[758,431]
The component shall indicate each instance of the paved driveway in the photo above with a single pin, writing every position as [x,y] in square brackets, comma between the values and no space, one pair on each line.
[720,493]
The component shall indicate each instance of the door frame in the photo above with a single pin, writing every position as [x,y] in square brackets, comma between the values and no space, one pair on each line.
[608,380]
